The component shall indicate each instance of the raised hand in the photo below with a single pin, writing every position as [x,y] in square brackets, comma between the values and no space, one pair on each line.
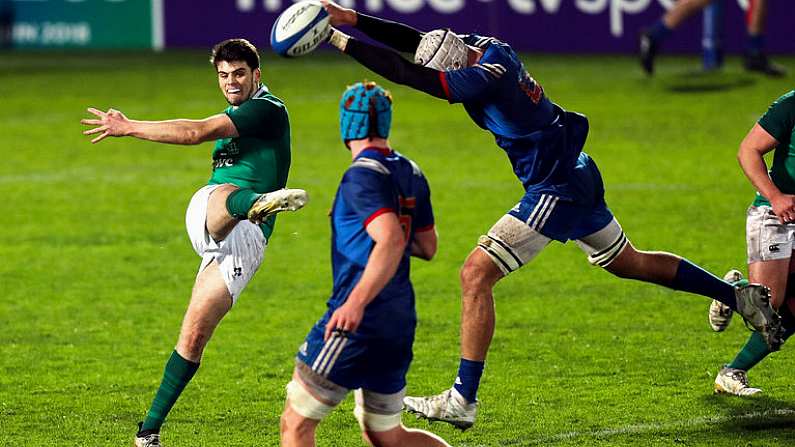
[112,123]
[339,16]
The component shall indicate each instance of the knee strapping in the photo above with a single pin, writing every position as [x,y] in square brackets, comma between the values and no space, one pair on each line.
[378,412]
[376,422]
[305,403]
[500,253]
[604,257]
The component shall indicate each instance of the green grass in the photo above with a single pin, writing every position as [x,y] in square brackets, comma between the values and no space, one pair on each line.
[97,268]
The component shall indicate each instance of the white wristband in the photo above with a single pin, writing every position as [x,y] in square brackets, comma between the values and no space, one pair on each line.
[338,39]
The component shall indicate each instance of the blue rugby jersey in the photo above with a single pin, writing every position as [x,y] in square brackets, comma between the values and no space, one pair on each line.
[541,140]
[377,182]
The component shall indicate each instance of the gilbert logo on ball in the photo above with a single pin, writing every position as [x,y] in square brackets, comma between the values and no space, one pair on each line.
[300,29]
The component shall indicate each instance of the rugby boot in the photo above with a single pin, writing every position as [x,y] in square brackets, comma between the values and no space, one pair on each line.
[450,407]
[733,381]
[277,201]
[647,52]
[720,315]
[753,304]
[146,439]
[760,63]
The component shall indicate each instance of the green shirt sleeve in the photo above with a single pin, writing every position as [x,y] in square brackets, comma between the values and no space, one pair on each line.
[779,120]
[259,117]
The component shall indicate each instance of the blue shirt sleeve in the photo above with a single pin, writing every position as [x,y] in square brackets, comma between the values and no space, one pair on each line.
[471,82]
[367,193]
[423,219]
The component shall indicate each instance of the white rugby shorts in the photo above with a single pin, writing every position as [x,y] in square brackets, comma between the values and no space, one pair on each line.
[767,239]
[238,256]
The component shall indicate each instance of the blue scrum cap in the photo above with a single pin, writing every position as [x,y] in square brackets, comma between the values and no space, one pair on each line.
[365,111]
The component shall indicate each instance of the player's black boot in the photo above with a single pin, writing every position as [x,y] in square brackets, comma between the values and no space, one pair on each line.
[759,62]
[647,51]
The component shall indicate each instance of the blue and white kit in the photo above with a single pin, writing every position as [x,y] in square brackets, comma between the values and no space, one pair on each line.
[377,355]
[564,193]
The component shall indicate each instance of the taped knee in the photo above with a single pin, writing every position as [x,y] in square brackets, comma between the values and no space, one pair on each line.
[374,422]
[500,253]
[304,403]
[377,412]
[604,257]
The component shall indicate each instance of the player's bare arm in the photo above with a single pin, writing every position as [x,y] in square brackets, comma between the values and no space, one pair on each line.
[114,123]
[390,242]
[424,244]
[754,146]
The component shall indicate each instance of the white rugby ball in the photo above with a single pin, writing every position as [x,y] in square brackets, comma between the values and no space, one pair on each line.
[300,29]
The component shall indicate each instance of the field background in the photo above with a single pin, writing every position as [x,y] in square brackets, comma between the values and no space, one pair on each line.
[97,267]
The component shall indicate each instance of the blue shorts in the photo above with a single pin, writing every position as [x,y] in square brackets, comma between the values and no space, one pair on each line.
[352,361]
[564,219]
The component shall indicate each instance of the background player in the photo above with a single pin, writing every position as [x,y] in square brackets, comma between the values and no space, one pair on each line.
[251,161]
[381,216]
[564,195]
[754,58]
[770,233]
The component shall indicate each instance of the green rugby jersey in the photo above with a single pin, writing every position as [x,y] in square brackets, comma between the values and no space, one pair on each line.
[259,158]
[779,122]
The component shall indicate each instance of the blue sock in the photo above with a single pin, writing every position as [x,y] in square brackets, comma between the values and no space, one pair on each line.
[755,43]
[692,278]
[659,31]
[468,379]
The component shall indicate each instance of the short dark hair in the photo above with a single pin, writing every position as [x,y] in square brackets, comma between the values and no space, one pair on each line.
[235,50]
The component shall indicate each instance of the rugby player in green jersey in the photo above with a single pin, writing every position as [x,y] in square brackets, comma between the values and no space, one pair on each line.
[770,236]
[230,220]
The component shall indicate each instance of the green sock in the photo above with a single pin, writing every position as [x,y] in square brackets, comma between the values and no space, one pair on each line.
[755,348]
[753,352]
[177,374]
[239,202]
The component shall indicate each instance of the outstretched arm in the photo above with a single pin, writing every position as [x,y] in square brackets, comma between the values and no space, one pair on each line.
[113,123]
[390,65]
[393,34]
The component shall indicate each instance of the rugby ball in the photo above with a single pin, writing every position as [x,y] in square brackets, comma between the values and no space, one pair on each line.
[300,29]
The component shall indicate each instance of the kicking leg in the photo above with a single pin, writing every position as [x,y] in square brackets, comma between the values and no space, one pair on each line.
[229,204]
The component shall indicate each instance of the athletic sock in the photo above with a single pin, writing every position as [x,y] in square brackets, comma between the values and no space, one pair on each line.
[239,202]
[176,376]
[468,379]
[756,349]
[753,352]
[659,31]
[755,43]
[692,278]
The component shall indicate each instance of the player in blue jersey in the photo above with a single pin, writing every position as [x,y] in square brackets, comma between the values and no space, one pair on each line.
[564,195]
[381,216]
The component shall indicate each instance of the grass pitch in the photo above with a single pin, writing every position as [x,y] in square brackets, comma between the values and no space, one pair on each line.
[97,268]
